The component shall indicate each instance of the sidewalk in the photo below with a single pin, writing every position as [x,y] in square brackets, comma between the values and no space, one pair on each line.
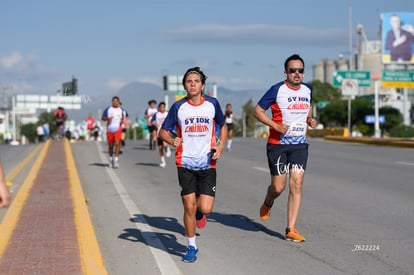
[43,221]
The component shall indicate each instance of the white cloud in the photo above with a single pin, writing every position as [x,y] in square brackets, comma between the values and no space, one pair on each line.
[256,34]
[115,83]
[235,83]
[150,79]
[12,60]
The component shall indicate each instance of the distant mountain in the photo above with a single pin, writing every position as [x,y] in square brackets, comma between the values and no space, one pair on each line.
[135,96]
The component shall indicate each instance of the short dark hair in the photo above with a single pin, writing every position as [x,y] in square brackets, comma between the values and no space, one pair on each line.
[195,70]
[152,101]
[115,97]
[161,103]
[293,57]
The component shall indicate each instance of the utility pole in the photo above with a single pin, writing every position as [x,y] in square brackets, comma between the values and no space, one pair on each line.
[350,64]
[6,106]
[350,35]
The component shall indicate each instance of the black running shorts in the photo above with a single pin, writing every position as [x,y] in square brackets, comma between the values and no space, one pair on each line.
[197,181]
[160,141]
[283,158]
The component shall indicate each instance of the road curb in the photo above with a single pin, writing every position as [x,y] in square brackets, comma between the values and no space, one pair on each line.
[374,141]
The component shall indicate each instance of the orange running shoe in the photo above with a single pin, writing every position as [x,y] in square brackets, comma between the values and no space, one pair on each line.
[293,235]
[265,211]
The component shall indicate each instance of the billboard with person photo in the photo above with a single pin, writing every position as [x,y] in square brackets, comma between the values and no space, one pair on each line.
[398,37]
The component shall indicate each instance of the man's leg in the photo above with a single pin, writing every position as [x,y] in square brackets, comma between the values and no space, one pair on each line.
[205,204]
[110,149]
[161,150]
[117,148]
[295,196]
[190,208]
[276,187]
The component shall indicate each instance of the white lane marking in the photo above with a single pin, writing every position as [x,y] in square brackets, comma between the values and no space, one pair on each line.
[162,257]
[405,163]
[261,169]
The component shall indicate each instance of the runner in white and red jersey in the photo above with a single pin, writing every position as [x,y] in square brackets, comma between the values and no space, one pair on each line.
[114,116]
[157,121]
[287,148]
[148,114]
[195,118]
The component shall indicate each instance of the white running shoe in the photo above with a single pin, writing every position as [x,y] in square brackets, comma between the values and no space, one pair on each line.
[168,153]
[163,164]
[110,162]
[116,163]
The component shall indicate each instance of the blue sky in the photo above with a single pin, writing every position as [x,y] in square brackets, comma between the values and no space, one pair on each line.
[239,44]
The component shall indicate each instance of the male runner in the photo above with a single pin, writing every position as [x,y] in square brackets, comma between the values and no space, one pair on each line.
[114,116]
[157,121]
[230,116]
[194,118]
[287,149]
[149,112]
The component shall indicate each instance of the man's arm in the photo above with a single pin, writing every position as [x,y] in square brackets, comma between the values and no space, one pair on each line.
[260,114]
[311,121]
[165,136]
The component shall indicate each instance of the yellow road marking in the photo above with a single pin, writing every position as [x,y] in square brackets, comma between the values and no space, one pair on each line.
[13,213]
[91,257]
[23,163]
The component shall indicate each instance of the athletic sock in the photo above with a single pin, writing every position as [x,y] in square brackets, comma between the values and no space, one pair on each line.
[229,143]
[192,241]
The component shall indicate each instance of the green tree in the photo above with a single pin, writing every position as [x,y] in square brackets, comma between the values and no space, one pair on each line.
[361,107]
[402,131]
[29,131]
[393,118]
[335,114]
[324,92]
[50,118]
[248,109]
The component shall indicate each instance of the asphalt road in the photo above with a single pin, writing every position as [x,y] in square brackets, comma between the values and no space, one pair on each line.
[357,212]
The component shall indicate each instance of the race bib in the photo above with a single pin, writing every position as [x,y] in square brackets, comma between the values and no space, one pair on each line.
[297,129]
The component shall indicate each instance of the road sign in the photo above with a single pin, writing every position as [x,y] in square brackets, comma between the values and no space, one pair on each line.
[398,79]
[350,87]
[322,104]
[370,119]
[363,77]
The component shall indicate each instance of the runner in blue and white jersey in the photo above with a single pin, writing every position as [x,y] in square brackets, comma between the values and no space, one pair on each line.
[287,148]
[195,118]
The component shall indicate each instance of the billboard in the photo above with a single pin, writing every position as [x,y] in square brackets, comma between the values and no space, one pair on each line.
[397,37]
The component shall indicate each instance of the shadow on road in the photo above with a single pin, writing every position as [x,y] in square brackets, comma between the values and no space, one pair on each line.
[148,164]
[165,223]
[171,224]
[168,240]
[99,164]
[142,147]
[242,222]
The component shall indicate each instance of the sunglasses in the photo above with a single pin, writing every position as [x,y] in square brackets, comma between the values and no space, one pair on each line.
[294,70]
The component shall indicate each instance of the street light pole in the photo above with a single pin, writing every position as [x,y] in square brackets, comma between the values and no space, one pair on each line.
[350,34]
[350,64]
